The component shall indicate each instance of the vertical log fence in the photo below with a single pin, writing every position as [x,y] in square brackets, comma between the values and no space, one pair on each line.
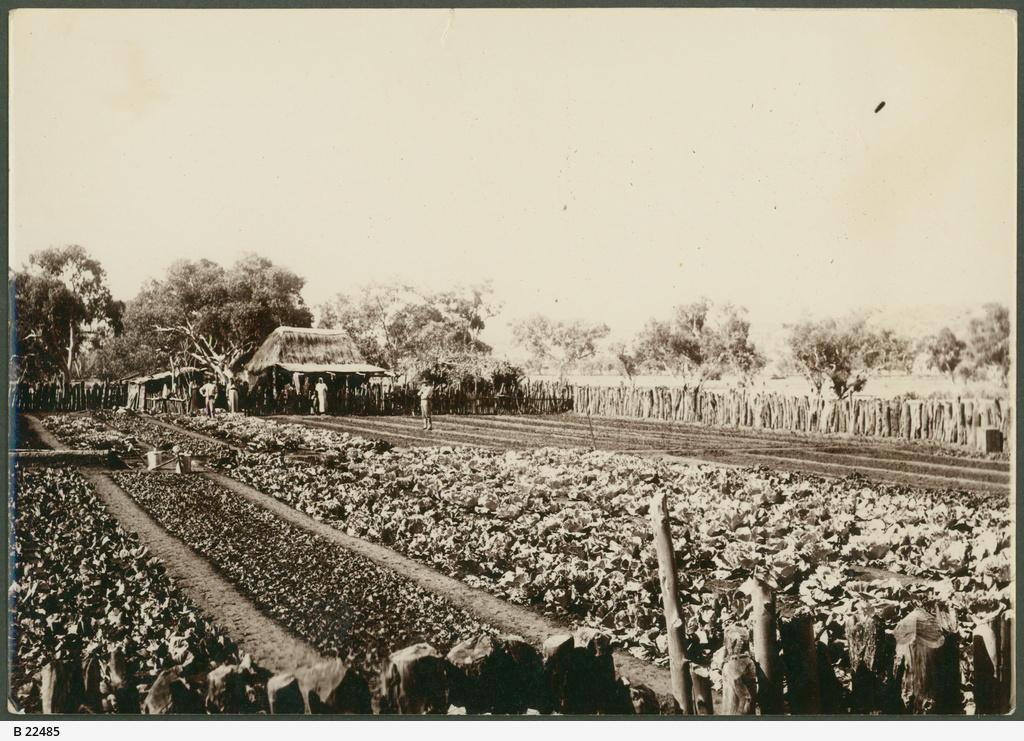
[75,397]
[961,421]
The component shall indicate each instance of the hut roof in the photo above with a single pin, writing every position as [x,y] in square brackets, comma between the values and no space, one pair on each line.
[308,350]
[160,375]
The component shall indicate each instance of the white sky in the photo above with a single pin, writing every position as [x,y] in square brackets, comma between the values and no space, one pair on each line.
[593,163]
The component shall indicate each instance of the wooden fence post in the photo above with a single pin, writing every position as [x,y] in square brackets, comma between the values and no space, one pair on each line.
[414,681]
[993,665]
[739,675]
[678,663]
[928,663]
[764,642]
[872,652]
[703,699]
[800,650]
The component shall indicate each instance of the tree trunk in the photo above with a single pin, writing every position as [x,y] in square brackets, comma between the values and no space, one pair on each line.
[71,353]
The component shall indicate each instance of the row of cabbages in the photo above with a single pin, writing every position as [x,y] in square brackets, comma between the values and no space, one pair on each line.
[567,532]
[98,615]
[341,603]
[85,432]
[259,436]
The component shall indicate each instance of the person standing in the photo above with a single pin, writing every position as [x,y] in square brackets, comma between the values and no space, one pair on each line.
[426,394]
[209,393]
[194,400]
[244,397]
[232,394]
[321,395]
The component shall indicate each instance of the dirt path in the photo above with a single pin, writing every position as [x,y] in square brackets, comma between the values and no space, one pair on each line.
[270,645]
[883,462]
[510,618]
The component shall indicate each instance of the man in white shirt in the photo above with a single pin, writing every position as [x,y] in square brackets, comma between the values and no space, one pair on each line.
[209,392]
[426,394]
[321,396]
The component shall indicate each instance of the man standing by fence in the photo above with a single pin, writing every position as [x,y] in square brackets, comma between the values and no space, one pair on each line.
[426,394]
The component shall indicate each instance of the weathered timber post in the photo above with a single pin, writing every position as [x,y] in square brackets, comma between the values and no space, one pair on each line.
[92,698]
[765,646]
[993,665]
[678,663]
[57,687]
[284,695]
[414,681]
[333,687]
[872,652]
[495,675]
[703,701]
[124,695]
[800,651]
[557,658]
[171,695]
[928,663]
[226,690]
[739,674]
[594,688]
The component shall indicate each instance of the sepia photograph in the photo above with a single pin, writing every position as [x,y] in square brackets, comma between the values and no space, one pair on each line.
[520,362]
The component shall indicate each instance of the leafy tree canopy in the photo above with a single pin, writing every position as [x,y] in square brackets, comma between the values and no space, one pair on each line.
[988,339]
[842,352]
[699,342]
[203,314]
[945,351]
[408,331]
[63,307]
[559,343]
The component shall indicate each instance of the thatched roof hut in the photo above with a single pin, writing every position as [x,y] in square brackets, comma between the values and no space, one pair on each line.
[305,350]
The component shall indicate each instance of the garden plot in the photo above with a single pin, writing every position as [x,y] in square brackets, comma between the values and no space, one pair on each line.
[343,604]
[566,533]
[95,612]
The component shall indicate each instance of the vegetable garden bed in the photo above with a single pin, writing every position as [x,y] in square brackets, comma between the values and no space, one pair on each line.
[93,609]
[564,531]
[341,603]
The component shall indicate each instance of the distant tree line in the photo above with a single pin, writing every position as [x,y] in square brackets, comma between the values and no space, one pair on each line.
[67,325]
[701,342]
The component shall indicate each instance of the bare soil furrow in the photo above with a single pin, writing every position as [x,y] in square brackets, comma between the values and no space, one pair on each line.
[541,432]
[735,436]
[270,644]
